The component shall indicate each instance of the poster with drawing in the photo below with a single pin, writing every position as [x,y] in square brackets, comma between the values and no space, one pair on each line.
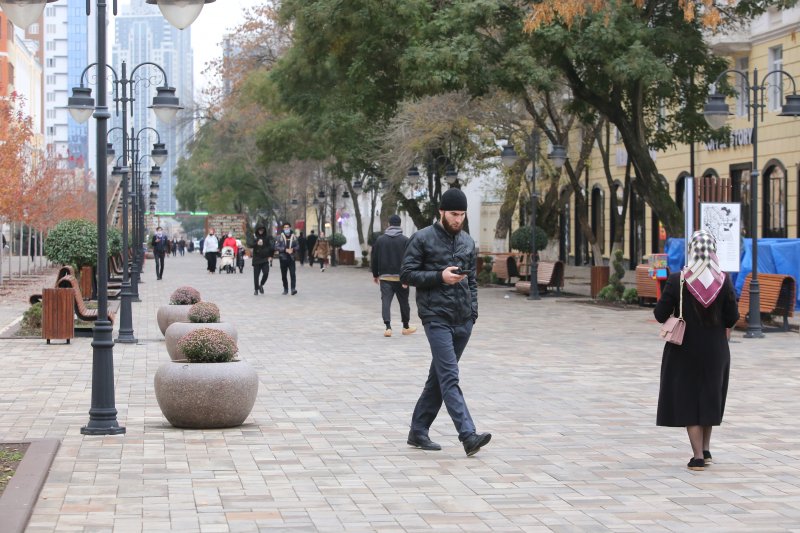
[724,221]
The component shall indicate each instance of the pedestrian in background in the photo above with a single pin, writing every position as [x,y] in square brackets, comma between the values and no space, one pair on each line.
[311,242]
[387,255]
[321,250]
[263,249]
[440,262]
[209,247]
[181,246]
[694,374]
[160,244]
[174,247]
[301,248]
[286,245]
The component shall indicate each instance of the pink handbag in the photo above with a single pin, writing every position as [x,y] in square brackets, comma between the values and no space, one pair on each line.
[673,329]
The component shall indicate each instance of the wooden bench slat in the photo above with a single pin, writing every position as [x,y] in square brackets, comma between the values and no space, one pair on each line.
[777,296]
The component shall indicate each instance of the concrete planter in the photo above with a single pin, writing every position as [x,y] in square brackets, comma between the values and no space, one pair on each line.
[206,395]
[169,314]
[176,330]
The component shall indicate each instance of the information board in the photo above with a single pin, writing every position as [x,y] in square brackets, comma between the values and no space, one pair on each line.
[724,222]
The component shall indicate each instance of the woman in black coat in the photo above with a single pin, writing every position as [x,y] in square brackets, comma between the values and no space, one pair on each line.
[694,375]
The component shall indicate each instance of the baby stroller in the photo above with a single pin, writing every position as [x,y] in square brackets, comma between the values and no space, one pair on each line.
[228,260]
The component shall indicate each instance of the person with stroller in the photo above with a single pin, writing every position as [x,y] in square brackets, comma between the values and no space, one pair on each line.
[321,250]
[286,245]
[263,249]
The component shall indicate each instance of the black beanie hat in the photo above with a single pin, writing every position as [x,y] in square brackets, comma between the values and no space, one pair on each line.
[453,200]
[394,220]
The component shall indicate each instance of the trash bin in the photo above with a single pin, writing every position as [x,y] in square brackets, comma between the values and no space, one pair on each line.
[58,314]
[599,279]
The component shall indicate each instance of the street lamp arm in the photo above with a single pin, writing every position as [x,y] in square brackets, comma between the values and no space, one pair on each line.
[744,75]
[158,135]
[149,80]
[109,67]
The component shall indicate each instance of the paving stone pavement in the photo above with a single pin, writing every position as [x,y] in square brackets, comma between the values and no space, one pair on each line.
[568,390]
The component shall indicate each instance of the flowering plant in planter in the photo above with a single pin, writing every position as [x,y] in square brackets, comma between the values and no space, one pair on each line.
[204,313]
[184,296]
[208,345]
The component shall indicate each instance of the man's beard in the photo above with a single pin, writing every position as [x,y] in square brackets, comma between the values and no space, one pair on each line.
[449,228]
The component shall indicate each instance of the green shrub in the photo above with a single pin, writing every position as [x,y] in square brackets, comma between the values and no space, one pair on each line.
[338,240]
[364,258]
[204,313]
[630,296]
[608,294]
[486,276]
[32,318]
[521,239]
[615,290]
[207,345]
[115,241]
[72,242]
[184,296]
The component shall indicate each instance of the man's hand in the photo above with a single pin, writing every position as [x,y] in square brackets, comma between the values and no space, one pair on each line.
[450,277]
[375,280]
[260,242]
[289,250]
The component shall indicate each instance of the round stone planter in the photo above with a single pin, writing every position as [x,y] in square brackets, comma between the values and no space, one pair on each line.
[168,314]
[206,395]
[176,330]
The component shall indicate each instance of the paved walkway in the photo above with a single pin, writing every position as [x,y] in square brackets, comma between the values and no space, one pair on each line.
[568,391]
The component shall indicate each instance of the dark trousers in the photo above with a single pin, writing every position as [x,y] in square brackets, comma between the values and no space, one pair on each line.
[287,265]
[211,257]
[263,271]
[388,291]
[159,257]
[447,344]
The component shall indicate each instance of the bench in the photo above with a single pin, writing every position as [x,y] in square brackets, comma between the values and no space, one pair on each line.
[63,271]
[504,267]
[646,287]
[548,275]
[777,296]
[83,312]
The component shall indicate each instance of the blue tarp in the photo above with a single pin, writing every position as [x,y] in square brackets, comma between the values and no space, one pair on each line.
[775,256]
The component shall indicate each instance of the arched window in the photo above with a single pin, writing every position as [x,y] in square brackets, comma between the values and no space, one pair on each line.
[740,192]
[656,244]
[637,229]
[774,207]
[598,217]
[680,188]
[619,193]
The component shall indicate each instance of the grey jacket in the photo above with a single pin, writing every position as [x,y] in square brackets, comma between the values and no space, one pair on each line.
[429,251]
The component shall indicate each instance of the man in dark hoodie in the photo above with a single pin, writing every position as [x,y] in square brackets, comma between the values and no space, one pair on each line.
[263,248]
[387,254]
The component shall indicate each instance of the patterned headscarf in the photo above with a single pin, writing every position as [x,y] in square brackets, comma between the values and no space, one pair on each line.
[703,275]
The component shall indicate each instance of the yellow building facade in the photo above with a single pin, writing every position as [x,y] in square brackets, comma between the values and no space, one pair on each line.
[769,43]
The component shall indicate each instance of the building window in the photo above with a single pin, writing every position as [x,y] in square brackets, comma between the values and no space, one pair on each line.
[51,29]
[10,74]
[775,83]
[51,97]
[51,12]
[51,131]
[51,114]
[50,46]
[775,201]
[51,79]
[743,97]
[33,29]
[51,62]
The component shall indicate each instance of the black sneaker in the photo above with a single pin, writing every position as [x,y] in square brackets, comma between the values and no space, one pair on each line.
[696,464]
[707,457]
[294,292]
[261,289]
[422,442]
[255,292]
[475,442]
[285,292]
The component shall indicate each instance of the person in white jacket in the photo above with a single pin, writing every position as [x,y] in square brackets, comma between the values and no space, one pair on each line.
[210,249]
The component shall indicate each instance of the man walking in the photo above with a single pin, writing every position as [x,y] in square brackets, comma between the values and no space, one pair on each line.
[387,254]
[209,247]
[311,241]
[287,247]
[263,248]
[160,244]
[440,262]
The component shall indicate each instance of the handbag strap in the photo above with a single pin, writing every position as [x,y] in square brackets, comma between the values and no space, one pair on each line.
[680,305]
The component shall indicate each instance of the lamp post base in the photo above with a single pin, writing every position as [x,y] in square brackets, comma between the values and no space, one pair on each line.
[103,412]
[126,335]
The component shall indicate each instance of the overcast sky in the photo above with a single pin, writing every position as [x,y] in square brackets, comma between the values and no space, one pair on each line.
[216,19]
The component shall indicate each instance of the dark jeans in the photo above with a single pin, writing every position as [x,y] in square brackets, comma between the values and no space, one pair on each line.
[159,257]
[447,344]
[211,257]
[263,270]
[388,291]
[287,265]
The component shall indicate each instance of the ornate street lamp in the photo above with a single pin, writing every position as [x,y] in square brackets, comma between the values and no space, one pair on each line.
[716,113]
[558,156]
[103,411]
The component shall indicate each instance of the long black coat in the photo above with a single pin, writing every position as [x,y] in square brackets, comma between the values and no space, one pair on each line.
[694,375]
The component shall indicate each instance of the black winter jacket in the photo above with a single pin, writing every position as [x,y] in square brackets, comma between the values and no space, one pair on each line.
[264,251]
[429,251]
[387,253]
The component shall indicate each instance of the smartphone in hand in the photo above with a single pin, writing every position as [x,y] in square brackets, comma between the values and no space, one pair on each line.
[461,272]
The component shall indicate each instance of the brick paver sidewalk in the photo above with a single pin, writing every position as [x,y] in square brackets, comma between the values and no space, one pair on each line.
[568,391]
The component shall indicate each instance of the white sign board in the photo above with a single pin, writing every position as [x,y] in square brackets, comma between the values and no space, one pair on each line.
[724,222]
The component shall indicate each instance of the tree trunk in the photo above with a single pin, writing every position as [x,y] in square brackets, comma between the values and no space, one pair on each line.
[357,212]
[510,200]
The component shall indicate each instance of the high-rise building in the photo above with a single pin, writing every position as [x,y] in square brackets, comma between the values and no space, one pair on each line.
[143,35]
[68,38]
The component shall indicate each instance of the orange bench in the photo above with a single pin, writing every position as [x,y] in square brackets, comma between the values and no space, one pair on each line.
[548,275]
[777,296]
